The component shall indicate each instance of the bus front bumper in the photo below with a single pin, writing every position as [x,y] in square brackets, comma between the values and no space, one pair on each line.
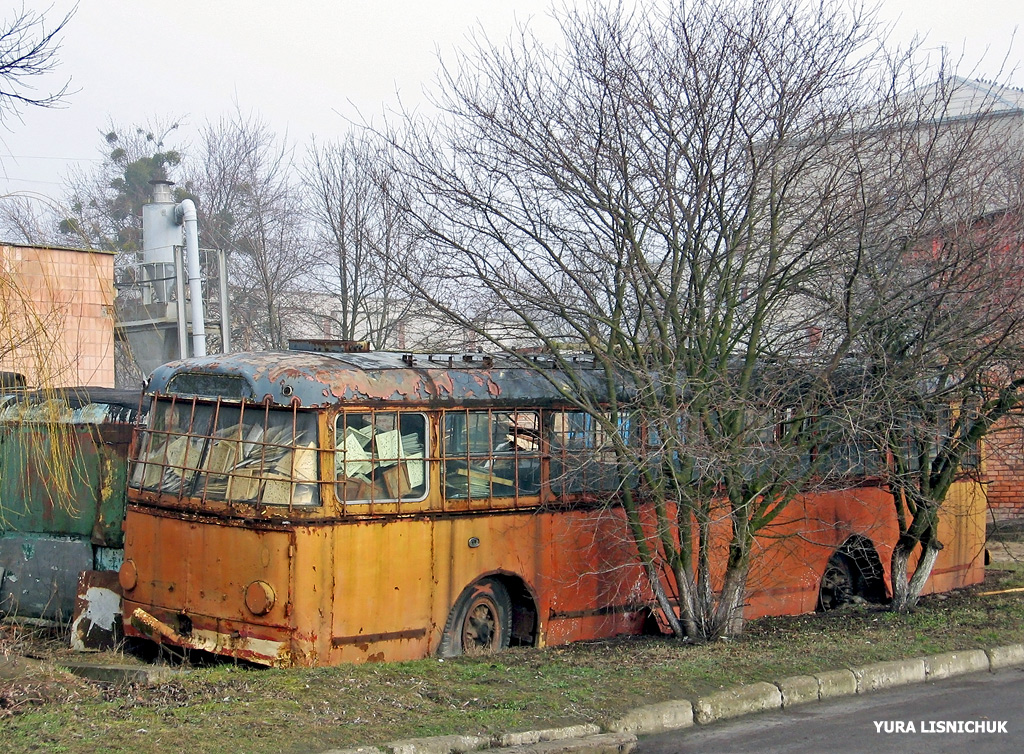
[231,643]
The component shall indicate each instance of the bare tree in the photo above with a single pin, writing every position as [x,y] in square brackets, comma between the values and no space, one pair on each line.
[28,219]
[364,241]
[667,190]
[935,298]
[28,50]
[250,207]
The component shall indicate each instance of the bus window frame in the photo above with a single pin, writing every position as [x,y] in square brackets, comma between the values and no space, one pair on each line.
[336,456]
[193,487]
[539,454]
[589,457]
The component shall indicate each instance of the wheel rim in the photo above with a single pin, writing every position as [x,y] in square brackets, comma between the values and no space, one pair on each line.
[481,630]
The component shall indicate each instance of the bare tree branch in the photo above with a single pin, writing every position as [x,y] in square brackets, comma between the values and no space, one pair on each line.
[28,51]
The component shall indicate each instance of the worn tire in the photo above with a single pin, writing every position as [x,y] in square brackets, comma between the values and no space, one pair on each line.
[480,622]
[838,583]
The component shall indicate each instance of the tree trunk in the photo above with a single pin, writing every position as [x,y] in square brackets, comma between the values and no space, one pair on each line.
[898,568]
[664,603]
[728,620]
[708,616]
[906,589]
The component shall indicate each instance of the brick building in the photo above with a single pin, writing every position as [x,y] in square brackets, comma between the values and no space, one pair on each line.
[1004,471]
[56,315]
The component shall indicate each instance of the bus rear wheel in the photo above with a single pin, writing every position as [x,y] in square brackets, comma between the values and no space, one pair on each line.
[838,584]
[480,621]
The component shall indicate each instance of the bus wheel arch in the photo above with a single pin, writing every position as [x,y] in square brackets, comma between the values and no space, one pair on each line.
[853,573]
[491,614]
[525,628]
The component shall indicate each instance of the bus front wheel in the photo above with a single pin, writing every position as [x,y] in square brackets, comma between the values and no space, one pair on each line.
[480,621]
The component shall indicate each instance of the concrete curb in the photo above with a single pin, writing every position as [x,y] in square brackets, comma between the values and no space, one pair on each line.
[655,718]
[530,737]
[596,743]
[438,745]
[833,683]
[739,700]
[622,732]
[799,689]
[1006,657]
[887,675]
[602,743]
[949,664]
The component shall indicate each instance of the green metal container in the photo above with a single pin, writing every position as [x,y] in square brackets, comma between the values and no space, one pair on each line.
[63,478]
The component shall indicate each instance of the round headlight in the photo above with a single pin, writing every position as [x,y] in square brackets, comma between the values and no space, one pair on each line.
[259,597]
[128,575]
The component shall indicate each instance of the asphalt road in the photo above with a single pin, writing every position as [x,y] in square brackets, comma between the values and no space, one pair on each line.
[915,715]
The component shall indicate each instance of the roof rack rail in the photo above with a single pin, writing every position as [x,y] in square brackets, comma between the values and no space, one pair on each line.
[461,359]
[319,345]
[550,360]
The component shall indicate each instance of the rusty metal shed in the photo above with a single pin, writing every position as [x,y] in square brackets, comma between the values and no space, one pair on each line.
[58,521]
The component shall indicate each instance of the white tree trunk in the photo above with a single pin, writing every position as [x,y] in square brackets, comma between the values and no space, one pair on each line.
[906,589]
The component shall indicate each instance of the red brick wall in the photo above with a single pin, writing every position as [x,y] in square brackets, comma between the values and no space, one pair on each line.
[1004,470]
[56,315]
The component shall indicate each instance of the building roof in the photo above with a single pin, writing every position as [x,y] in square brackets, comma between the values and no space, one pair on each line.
[967,98]
[53,247]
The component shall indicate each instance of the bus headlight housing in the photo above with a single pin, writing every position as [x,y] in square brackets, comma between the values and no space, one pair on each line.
[259,597]
[128,575]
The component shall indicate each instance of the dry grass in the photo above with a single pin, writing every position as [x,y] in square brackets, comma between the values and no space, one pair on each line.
[229,707]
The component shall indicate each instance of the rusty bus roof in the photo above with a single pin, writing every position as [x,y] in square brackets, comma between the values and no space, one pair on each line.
[316,379]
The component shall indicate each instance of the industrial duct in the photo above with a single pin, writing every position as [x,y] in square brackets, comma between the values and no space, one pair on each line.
[162,224]
[186,213]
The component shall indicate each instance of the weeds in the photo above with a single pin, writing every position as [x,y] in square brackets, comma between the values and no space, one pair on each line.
[229,707]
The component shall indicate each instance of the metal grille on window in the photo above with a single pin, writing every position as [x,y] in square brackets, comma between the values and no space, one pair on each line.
[380,456]
[238,453]
[491,454]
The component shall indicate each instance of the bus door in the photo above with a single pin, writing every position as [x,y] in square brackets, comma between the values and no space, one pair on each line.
[383,572]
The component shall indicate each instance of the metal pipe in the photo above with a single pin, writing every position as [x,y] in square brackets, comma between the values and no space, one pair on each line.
[179,300]
[225,303]
[186,213]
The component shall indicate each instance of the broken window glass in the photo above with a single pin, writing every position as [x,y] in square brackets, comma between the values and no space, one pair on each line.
[238,453]
[380,456]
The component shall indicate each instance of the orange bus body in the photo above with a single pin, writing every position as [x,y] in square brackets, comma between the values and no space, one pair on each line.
[334,581]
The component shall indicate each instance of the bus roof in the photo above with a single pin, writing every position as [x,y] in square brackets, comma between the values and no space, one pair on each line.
[324,379]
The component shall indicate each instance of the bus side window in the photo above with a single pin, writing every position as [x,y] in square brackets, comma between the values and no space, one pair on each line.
[582,455]
[491,454]
[380,456]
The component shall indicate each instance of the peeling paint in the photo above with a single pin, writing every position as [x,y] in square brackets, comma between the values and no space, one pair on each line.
[375,377]
[104,606]
[357,583]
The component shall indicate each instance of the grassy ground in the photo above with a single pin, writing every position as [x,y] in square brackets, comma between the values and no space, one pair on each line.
[228,708]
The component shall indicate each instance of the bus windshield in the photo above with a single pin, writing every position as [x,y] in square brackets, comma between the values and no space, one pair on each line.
[235,453]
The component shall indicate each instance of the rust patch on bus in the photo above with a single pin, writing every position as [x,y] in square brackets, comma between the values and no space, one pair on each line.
[318,380]
[155,628]
[363,641]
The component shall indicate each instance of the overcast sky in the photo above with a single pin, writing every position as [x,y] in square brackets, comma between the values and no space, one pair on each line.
[305,64]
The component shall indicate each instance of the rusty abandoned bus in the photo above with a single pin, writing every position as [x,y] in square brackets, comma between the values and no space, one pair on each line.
[312,507]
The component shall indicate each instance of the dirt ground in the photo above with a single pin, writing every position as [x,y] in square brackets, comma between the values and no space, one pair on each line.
[1006,552]
[29,671]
